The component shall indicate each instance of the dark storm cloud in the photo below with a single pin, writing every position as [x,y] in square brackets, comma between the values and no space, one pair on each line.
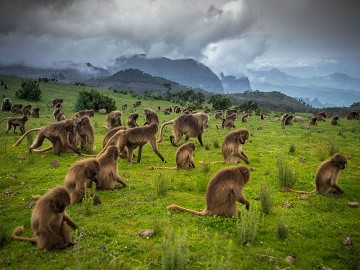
[226,35]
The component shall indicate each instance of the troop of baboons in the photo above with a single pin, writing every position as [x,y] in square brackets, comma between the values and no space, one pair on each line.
[223,191]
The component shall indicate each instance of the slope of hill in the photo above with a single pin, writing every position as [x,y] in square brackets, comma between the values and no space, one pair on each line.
[186,72]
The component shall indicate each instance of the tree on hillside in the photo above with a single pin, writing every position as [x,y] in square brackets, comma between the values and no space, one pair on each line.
[30,90]
[94,100]
[220,102]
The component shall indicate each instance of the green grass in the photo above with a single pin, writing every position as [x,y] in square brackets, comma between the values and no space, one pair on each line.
[108,234]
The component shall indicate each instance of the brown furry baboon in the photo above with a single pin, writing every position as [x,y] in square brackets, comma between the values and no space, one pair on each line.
[35,112]
[26,109]
[16,108]
[113,119]
[16,122]
[49,221]
[288,120]
[218,115]
[55,133]
[6,104]
[135,137]
[228,112]
[283,117]
[88,113]
[109,174]
[312,120]
[57,101]
[81,175]
[222,192]
[192,125]
[151,117]
[124,107]
[57,106]
[131,123]
[328,173]
[167,111]
[232,146]
[334,120]
[321,116]
[244,118]
[109,134]
[353,115]
[228,122]
[60,117]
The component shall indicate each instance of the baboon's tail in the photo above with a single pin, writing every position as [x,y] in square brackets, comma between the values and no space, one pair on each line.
[24,135]
[112,138]
[161,168]
[19,230]
[42,150]
[175,207]
[161,137]
[286,189]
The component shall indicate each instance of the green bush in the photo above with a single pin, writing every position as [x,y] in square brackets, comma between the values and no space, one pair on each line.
[175,251]
[287,178]
[292,149]
[247,226]
[282,230]
[94,100]
[30,90]
[3,236]
[266,199]
[161,185]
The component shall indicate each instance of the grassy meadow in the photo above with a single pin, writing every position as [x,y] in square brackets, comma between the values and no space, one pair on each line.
[311,230]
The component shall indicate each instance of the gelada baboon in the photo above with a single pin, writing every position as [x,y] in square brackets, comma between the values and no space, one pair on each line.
[88,113]
[49,221]
[6,104]
[151,117]
[131,123]
[312,120]
[26,109]
[35,112]
[192,125]
[232,146]
[244,118]
[109,134]
[228,112]
[228,122]
[16,108]
[135,137]
[283,117]
[321,116]
[60,117]
[57,101]
[83,136]
[113,120]
[328,173]
[109,174]
[326,176]
[124,107]
[81,175]
[218,115]
[56,112]
[334,120]
[353,115]
[55,133]
[16,122]
[222,192]
[184,158]
[288,120]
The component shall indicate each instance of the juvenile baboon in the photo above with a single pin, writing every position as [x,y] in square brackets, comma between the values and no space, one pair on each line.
[49,221]
[88,113]
[124,107]
[283,117]
[321,116]
[229,121]
[244,118]
[131,123]
[232,146]
[328,173]
[288,120]
[16,108]
[109,174]
[113,119]
[137,103]
[222,192]
[81,175]
[57,133]
[151,117]
[56,112]
[35,112]
[334,120]
[352,115]
[218,115]
[135,137]
[6,104]
[312,120]
[16,122]
[192,125]
[26,109]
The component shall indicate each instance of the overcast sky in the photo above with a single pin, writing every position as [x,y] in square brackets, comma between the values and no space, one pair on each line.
[228,36]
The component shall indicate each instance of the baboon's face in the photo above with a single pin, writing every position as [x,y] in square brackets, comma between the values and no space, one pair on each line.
[339,161]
